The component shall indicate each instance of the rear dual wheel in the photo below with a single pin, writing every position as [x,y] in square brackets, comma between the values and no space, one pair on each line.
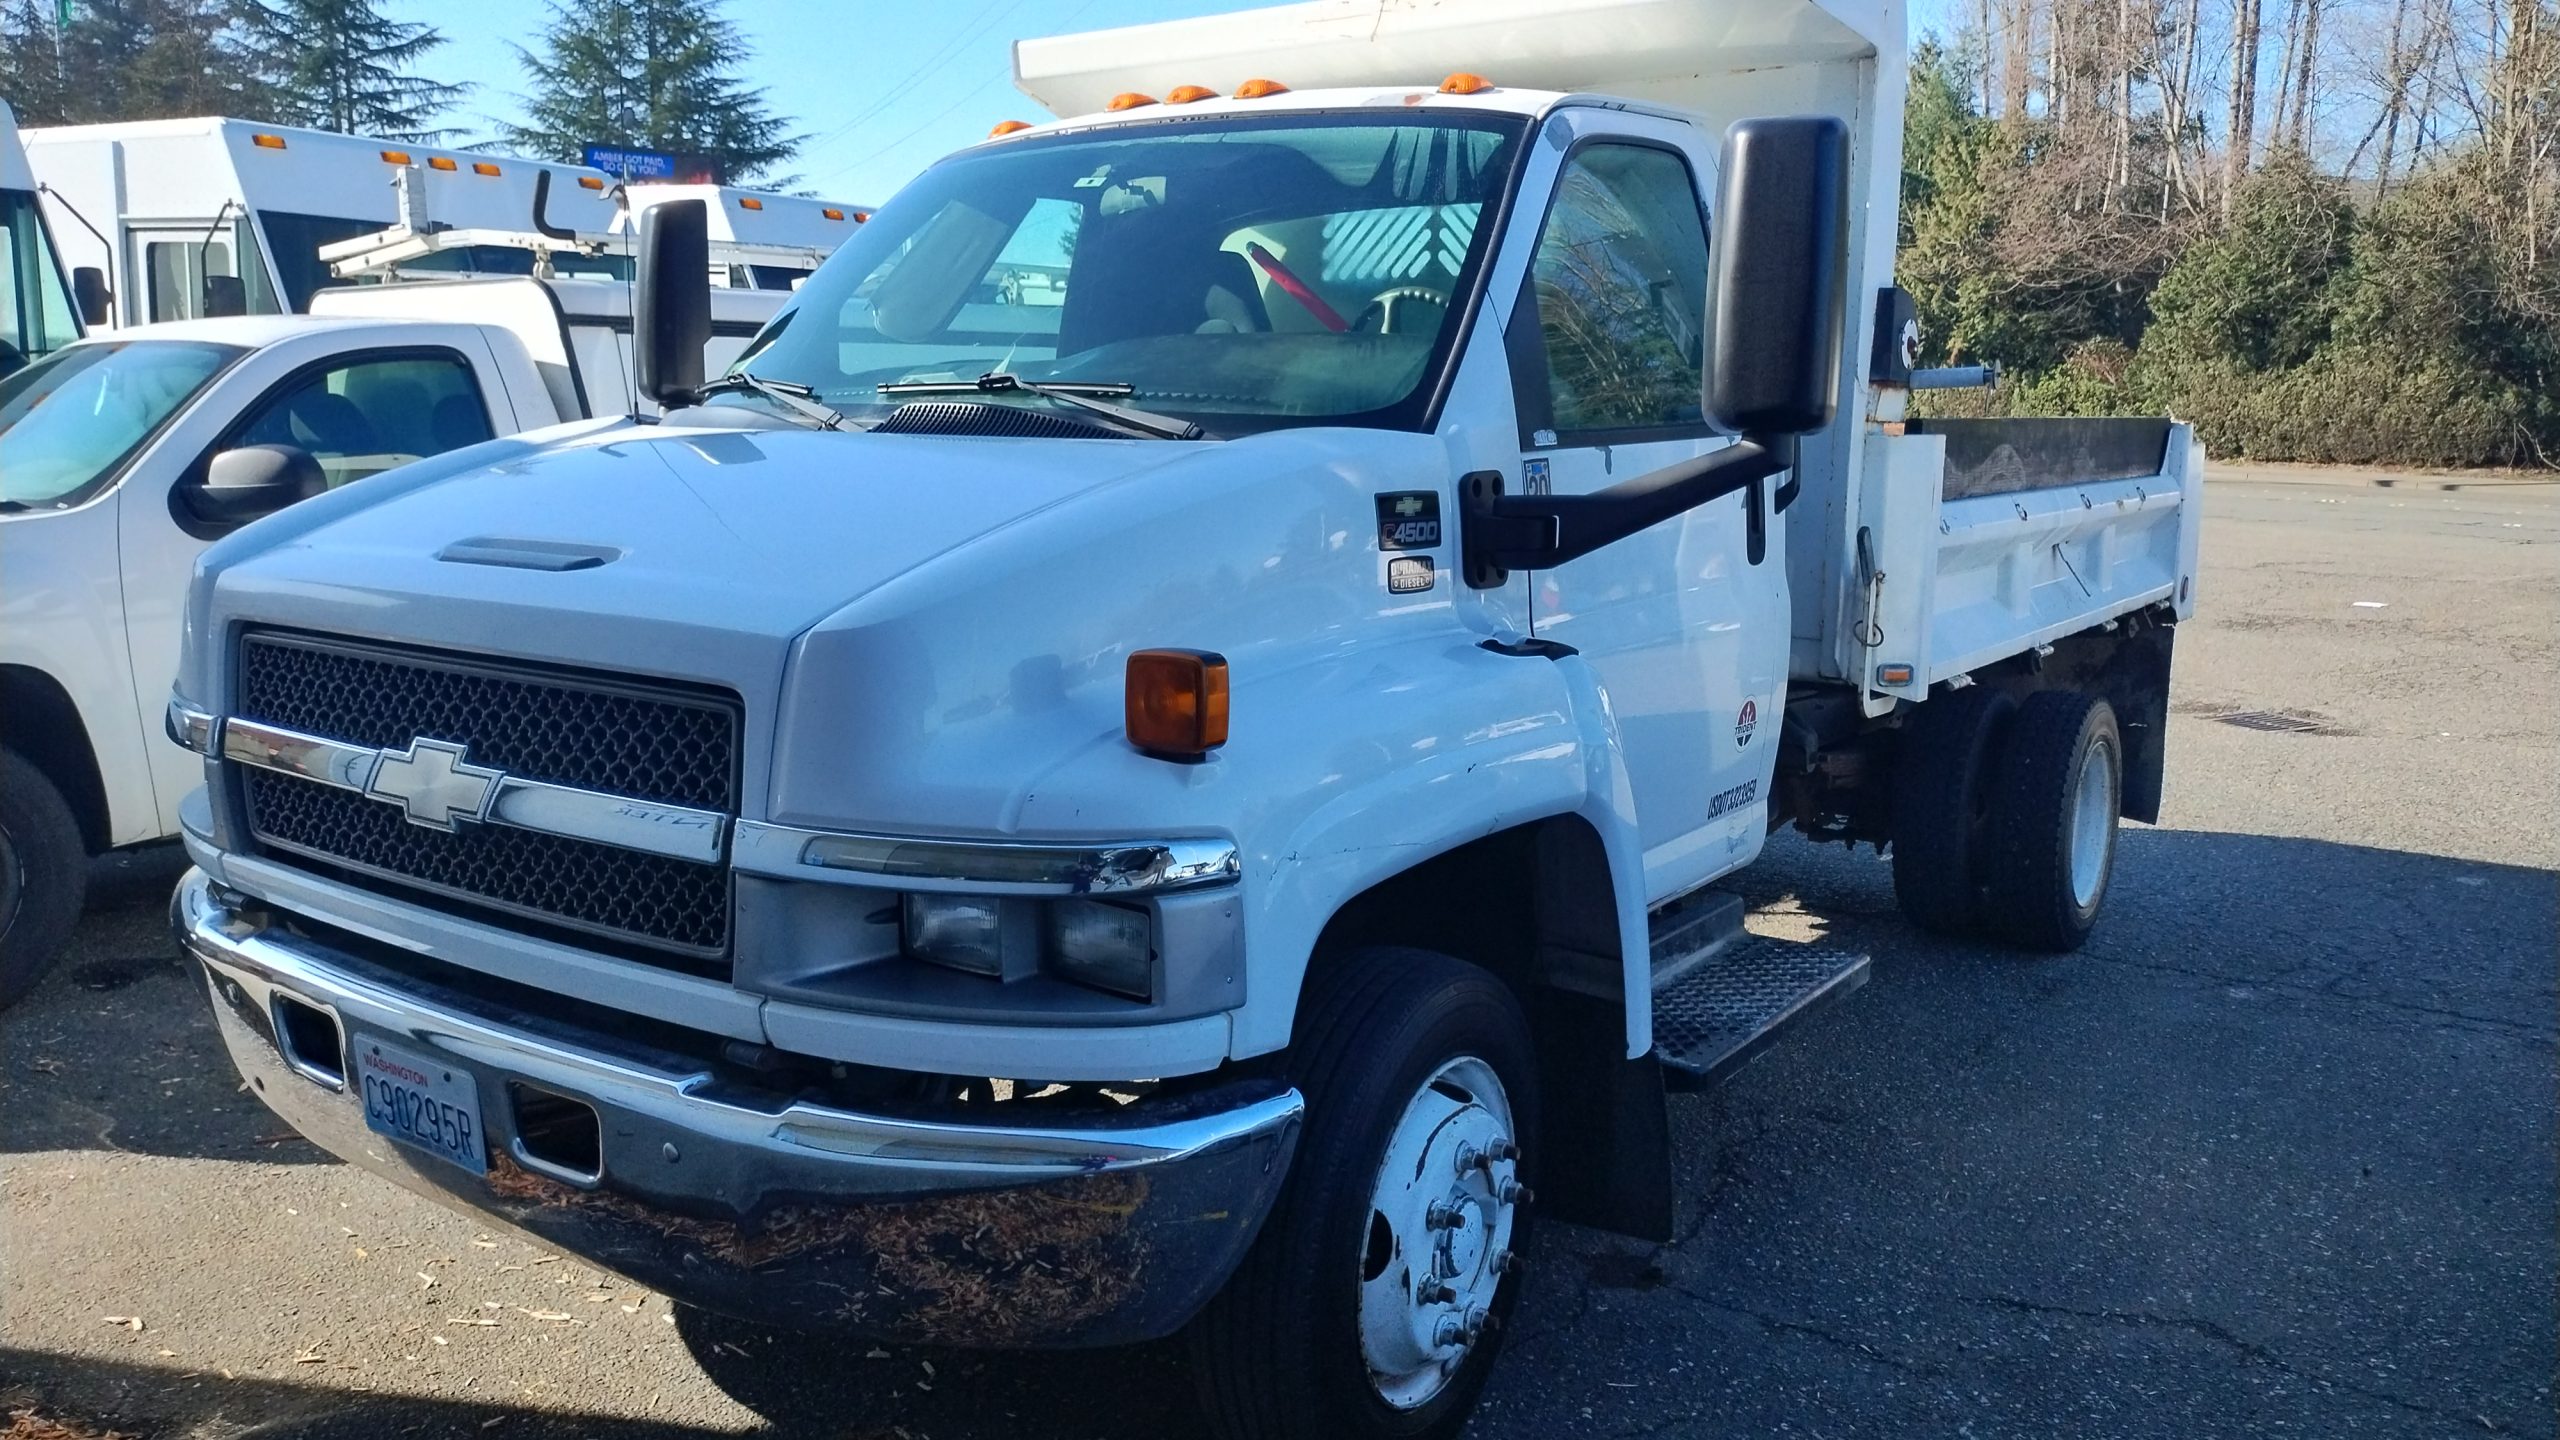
[2004,821]
[1372,1303]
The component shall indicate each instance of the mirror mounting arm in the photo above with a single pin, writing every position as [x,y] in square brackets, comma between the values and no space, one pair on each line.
[1504,533]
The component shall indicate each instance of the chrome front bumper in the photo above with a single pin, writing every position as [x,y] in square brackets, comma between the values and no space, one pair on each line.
[765,1206]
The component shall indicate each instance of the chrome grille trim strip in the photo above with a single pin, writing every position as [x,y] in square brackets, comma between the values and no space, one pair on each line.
[676,831]
[1115,867]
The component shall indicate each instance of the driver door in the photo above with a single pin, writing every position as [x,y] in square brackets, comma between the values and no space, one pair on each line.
[1605,340]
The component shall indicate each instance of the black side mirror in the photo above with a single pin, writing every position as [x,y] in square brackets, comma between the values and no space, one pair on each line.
[671,303]
[1774,277]
[225,295]
[241,485]
[89,295]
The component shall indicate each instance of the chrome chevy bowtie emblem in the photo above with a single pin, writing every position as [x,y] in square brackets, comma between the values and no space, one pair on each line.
[431,784]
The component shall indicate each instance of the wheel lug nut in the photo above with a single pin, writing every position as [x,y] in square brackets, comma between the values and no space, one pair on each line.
[1505,1263]
[1515,1193]
[1442,1216]
[1449,1332]
[1503,1150]
[1434,1292]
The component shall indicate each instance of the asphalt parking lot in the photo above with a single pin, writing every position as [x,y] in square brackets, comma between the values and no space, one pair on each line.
[2274,1156]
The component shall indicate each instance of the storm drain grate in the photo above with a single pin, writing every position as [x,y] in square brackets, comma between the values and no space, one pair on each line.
[2275,720]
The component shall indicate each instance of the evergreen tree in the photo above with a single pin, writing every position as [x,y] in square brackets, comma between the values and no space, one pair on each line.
[343,65]
[31,62]
[654,75]
[125,60]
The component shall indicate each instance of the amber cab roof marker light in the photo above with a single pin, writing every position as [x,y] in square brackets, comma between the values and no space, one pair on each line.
[440,162]
[1257,89]
[589,182]
[1177,703]
[483,167]
[1465,82]
[831,212]
[1129,100]
[395,157]
[1187,94]
[1007,127]
[749,202]
[267,142]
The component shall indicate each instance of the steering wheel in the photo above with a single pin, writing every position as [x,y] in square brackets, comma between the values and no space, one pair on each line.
[1394,311]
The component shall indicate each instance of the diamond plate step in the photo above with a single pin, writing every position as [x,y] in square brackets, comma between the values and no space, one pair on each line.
[1712,1020]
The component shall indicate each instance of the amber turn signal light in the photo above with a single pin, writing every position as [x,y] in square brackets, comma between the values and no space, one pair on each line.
[1464,83]
[589,182]
[1177,702]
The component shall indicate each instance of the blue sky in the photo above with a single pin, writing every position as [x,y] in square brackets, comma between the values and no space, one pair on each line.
[882,88]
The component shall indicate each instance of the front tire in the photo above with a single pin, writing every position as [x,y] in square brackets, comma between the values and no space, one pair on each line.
[44,875]
[2053,820]
[1373,1301]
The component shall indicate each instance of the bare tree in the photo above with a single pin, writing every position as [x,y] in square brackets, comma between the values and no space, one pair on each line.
[2238,133]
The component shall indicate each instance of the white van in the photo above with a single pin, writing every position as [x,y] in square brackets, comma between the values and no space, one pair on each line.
[36,313]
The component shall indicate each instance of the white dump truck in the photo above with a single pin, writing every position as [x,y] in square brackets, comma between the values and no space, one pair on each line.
[117,469]
[1156,755]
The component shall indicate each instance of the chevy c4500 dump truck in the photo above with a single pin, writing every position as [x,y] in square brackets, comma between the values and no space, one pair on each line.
[1154,756]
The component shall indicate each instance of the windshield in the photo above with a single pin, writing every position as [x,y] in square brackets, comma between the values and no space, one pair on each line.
[35,313]
[69,420]
[1242,274]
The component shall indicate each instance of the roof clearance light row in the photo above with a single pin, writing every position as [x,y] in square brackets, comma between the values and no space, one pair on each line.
[1461,83]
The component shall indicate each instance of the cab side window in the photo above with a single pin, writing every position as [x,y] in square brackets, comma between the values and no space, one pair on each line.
[1619,286]
[366,415]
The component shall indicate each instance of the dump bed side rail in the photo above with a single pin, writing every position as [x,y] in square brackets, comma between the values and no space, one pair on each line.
[1980,540]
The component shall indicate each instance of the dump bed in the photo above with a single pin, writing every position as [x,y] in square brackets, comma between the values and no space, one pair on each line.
[1979,539]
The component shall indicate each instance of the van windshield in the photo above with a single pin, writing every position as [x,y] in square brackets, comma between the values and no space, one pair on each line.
[68,421]
[1243,274]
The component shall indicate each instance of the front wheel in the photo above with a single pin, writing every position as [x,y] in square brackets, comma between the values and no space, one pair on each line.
[1371,1305]
[44,874]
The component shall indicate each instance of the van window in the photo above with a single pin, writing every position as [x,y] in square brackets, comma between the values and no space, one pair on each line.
[178,269]
[370,414]
[295,241]
[35,314]
[1620,284]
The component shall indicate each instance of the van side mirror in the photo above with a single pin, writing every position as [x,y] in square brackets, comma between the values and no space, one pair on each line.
[1775,275]
[89,295]
[254,480]
[225,295]
[671,301]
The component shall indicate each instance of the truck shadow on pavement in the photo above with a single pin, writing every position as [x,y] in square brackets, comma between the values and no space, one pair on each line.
[2296,1046]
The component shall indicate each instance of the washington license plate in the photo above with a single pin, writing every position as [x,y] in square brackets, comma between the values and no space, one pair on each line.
[422,1102]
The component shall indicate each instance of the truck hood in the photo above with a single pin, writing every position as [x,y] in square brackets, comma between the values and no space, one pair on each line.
[689,554]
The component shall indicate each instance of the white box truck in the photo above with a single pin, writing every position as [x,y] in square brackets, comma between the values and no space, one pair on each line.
[213,216]
[1156,755]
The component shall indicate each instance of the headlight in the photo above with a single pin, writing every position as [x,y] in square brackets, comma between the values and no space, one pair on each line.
[1109,947]
[962,931]
[1090,942]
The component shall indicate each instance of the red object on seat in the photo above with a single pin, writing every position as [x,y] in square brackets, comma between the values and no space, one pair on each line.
[1326,315]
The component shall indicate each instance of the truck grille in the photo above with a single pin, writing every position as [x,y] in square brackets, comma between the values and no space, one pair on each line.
[647,742]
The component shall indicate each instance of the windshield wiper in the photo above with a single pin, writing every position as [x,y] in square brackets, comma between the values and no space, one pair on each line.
[1078,393]
[791,395]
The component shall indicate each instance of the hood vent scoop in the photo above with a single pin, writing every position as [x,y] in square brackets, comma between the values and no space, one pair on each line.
[972,417]
[528,554]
